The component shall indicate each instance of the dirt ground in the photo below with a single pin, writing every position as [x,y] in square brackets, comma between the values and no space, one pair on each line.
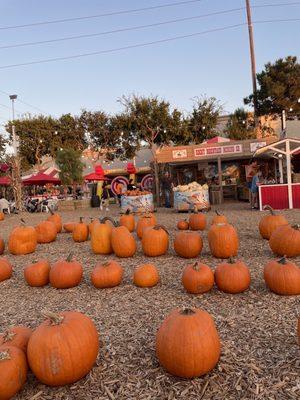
[260,356]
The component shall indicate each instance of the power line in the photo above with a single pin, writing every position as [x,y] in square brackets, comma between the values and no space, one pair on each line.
[130,11]
[23,102]
[172,21]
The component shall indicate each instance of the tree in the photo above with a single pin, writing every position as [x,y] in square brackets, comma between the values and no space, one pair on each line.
[203,120]
[70,166]
[279,87]
[240,125]
[2,146]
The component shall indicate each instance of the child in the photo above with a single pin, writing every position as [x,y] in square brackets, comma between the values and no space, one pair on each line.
[105,196]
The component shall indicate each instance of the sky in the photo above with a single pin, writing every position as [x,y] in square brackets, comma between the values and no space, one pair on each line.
[213,64]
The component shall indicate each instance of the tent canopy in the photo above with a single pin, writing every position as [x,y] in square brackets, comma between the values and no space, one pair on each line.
[288,146]
[97,175]
[40,179]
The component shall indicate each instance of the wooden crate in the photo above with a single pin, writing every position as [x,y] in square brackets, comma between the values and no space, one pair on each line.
[65,205]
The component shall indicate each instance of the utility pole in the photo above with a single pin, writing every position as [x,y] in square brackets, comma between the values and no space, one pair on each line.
[253,62]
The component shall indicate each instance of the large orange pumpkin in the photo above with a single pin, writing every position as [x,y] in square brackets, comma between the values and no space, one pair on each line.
[101,238]
[107,275]
[188,244]
[285,241]
[37,274]
[80,232]
[17,336]
[22,240]
[13,371]
[128,220]
[146,275]
[183,225]
[219,218]
[123,242]
[282,277]
[46,232]
[69,226]
[145,221]
[223,240]
[56,219]
[232,277]
[269,223]
[2,246]
[63,349]
[198,278]
[155,241]
[2,217]
[65,274]
[197,221]
[187,343]
[6,269]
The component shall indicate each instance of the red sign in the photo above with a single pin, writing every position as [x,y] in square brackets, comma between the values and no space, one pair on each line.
[199,152]
[208,151]
[213,150]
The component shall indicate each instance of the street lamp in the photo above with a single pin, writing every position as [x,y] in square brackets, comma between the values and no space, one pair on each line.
[13,97]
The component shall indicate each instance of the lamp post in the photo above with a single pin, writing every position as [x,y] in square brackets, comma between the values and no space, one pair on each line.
[13,97]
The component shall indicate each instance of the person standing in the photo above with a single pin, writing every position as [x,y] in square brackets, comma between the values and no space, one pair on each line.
[119,191]
[166,186]
[104,202]
[254,189]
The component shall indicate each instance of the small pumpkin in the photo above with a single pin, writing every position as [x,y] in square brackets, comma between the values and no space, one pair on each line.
[146,275]
[282,277]
[101,238]
[46,232]
[2,246]
[198,278]
[123,242]
[285,241]
[56,219]
[17,336]
[197,221]
[188,244]
[223,241]
[128,220]
[6,269]
[145,221]
[183,225]
[269,223]
[65,274]
[2,217]
[107,275]
[232,277]
[155,241]
[37,274]
[69,226]
[92,224]
[80,232]
[187,343]
[13,371]
[63,349]
[219,218]
[22,240]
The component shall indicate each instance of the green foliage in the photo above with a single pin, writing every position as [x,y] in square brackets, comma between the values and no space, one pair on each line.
[70,166]
[240,126]
[279,87]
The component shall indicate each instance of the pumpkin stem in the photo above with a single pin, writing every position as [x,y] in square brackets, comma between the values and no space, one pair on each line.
[69,258]
[103,220]
[217,212]
[231,260]
[8,336]
[92,219]
[22,221]
[283,260]
[81,220]
[296,226]
[106,264]
[157,227]
[51,211]
[187,311]
[127,211]
[55,319]
[196,266]
[269,208]
[4,355]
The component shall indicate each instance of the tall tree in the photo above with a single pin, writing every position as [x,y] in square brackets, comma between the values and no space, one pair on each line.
[70,166]
[203,119]
[279,87]
[240,125]
[2,146]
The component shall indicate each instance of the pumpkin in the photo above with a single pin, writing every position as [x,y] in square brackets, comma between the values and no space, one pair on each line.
[63,349]
[219,218]
[2,246]
[282,277]
[22,240]
[46,232]
[17,336]
[65,274]
[188,244]
[107,275]
[198,278]
[285,241]
[80,232]
[5,269]
[197,221]
[223,241]
[146,275]
[56,219]
[232,277]
[145,221]
[269,223]
[101,238]
[37,274]
[183,225]
[128,220]
[187,343]
[2,217]
[69,226]
[155,241]
[13,371]
[123,242]
[92,224]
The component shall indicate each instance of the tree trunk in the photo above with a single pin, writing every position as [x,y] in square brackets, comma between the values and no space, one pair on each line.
[156,176]
[16,182]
